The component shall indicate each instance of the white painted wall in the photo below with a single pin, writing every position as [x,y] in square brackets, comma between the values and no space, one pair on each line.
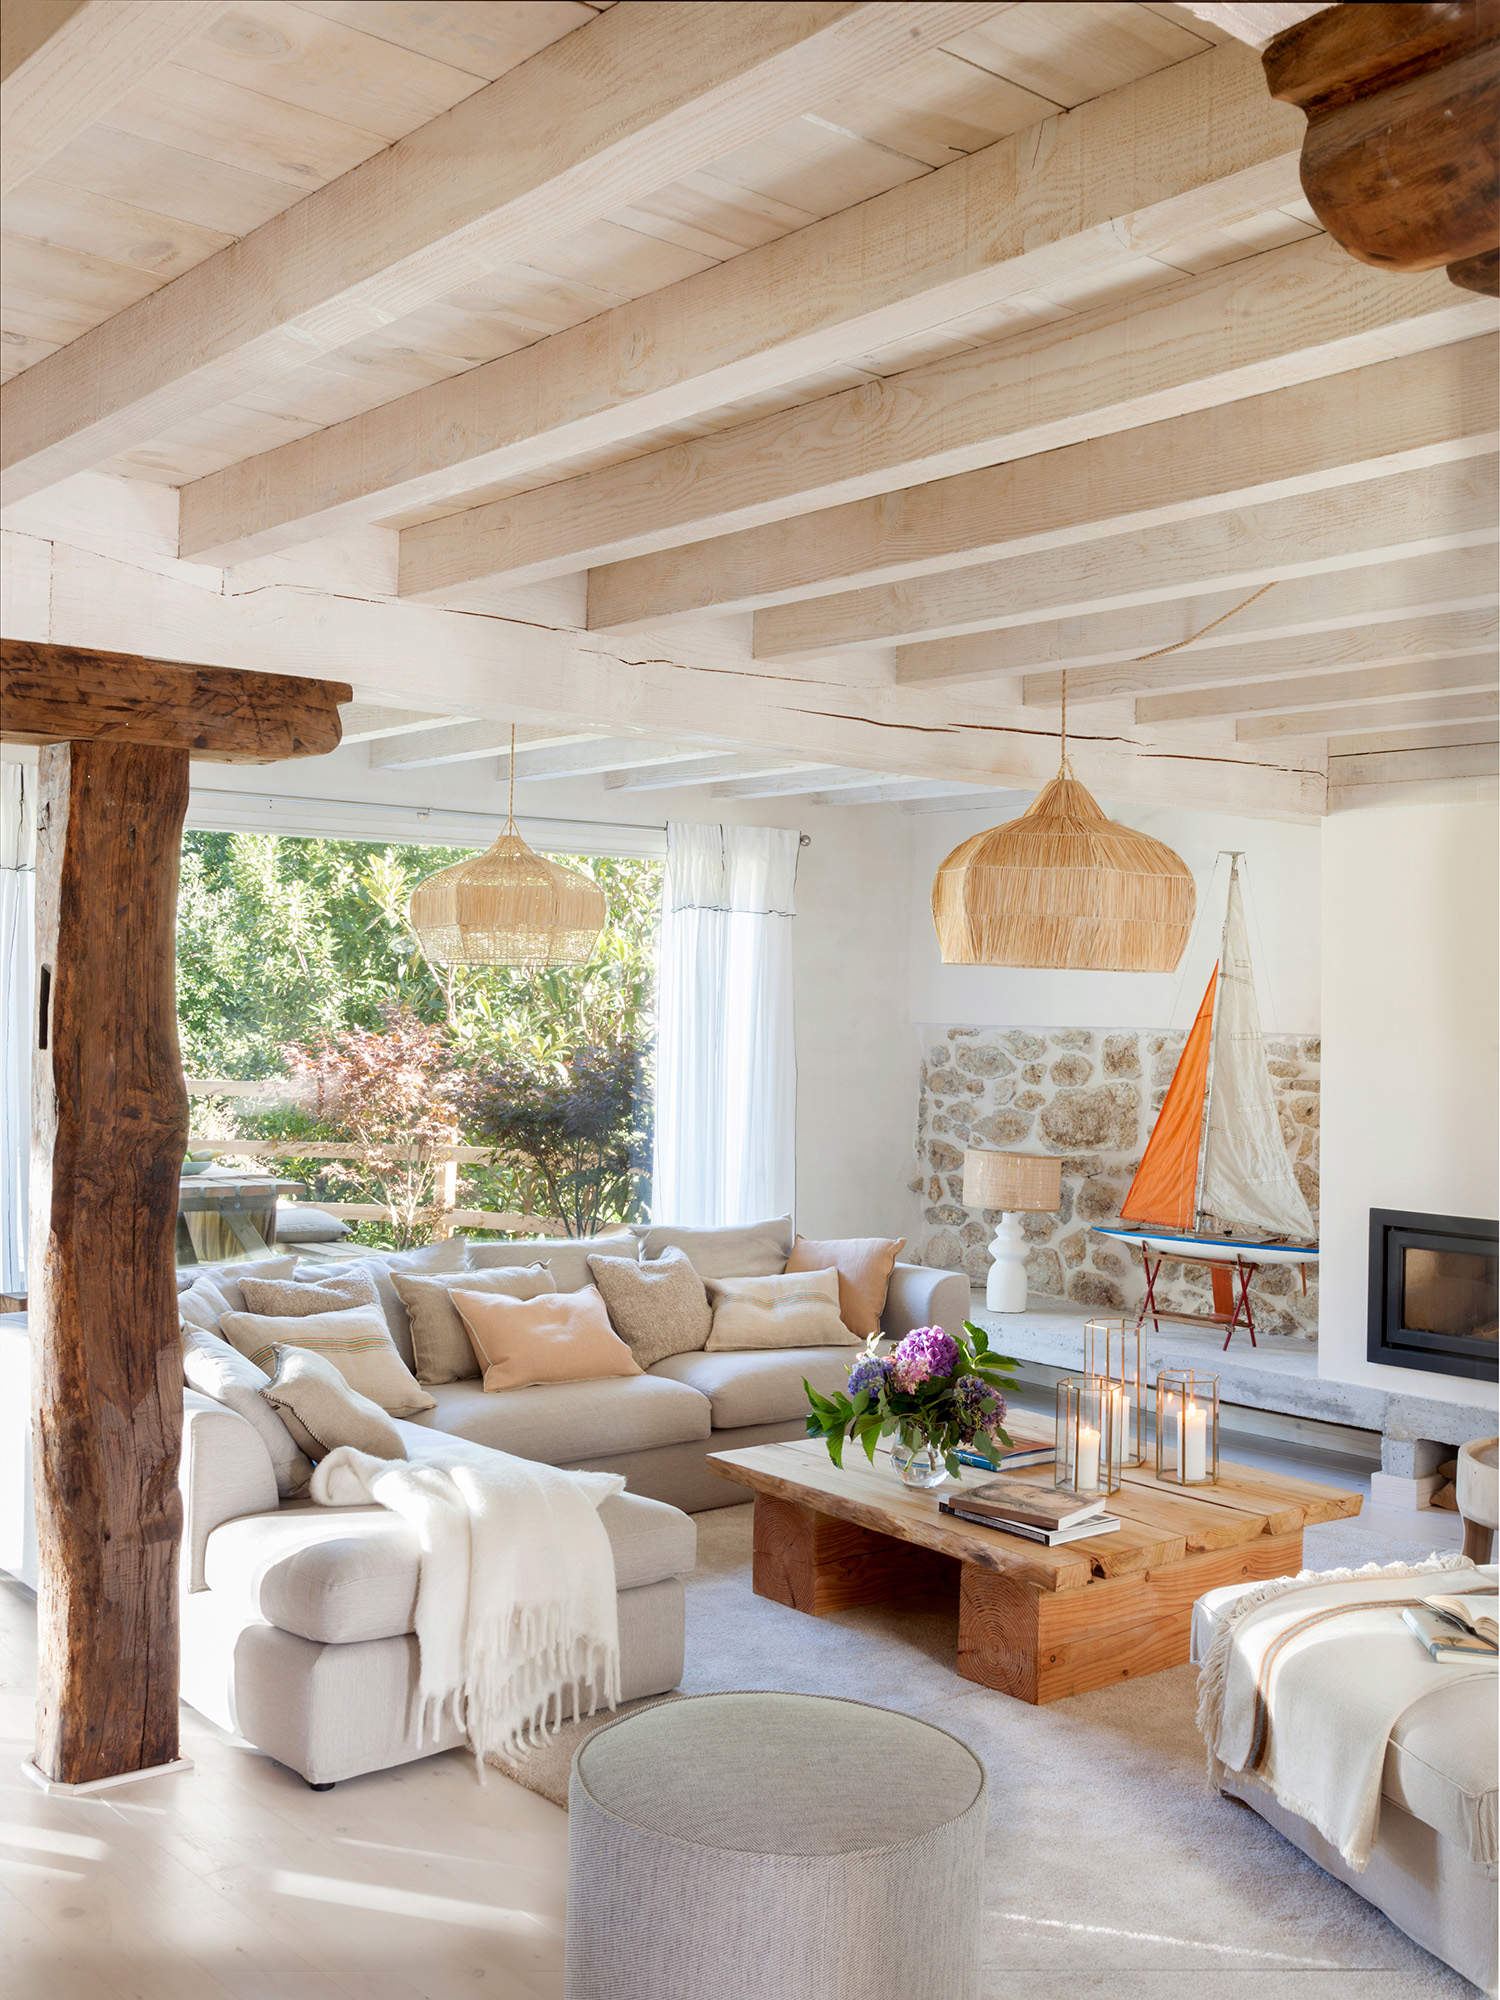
[1409,1050]
[1282,894]
[856,1056]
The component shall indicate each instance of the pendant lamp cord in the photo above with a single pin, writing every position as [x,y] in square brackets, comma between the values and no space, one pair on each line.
[1064,768]
[510,810]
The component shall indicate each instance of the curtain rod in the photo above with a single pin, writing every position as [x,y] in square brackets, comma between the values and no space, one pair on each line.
[453,812]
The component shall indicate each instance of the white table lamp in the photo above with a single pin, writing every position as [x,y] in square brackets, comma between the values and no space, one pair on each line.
[1010,1182]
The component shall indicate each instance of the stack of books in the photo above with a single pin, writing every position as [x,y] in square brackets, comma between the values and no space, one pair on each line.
[1007,1458]
[1456,1628]
[1040,1513]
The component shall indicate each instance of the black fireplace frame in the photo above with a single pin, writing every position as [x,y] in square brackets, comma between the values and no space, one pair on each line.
[1393,1230]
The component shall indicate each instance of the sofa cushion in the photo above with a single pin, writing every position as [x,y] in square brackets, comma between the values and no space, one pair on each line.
[439,1338]
[357,1341]
[450,1254]
[554,1337]
[864,1265]
[657,1305]
[796,1309]
[214,1368]
[322,1412]
[567,1257]
[559,1422]
[761,1387]
[226,1278]
[338,1575]
[749,1250]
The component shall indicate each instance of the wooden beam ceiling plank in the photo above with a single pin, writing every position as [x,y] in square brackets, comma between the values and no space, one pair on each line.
[463,743]
[1480,705]
[1464,675]
[700,771]
[1446,636]
[57,693]
[1340,605]
[367,722]
[1298,313]
[1438,508]
[1377,777]
[897,792]
[1254,22]
[623,105]
[1395,415]
[1198,144]
[65,64]
[542,678]
[828,779]
[1423,736]
[591,759]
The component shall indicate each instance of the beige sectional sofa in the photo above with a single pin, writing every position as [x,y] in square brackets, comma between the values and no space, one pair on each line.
[297,1620]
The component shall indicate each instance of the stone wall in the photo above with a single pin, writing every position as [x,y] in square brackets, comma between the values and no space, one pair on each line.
[1091,1096]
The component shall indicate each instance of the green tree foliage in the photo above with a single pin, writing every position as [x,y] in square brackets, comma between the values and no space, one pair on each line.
[286,945]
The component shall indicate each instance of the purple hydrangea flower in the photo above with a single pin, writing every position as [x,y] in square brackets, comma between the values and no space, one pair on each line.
[870,1372]
[926,1352]
[980,1409]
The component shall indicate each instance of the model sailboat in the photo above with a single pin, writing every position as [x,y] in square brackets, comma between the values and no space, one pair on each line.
[1215,1185]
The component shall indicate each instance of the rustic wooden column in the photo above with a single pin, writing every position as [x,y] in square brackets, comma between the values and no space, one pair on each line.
[109,1125]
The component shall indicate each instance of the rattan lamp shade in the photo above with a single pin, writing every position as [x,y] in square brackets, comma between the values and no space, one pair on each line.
[1011,1181]
[508,906]
[1063,887]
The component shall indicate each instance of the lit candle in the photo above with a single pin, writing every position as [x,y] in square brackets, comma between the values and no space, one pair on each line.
[1194,1448]
[1086,1467]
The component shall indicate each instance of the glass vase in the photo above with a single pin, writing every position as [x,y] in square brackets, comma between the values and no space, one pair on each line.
[920,1464]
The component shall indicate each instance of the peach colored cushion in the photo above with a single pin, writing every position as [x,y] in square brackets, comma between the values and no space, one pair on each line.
[555,1337]
[864,1265]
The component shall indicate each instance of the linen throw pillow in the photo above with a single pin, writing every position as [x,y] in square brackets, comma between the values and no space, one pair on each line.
[320,1410]
[567,1257]
[449,1255]
[292,1298]
[214,1368]
[657,1308]
[754,1250]
[555,1337]
[227,1278]
[864,1265]
[357,1341]
[439,1338]
[798,1309]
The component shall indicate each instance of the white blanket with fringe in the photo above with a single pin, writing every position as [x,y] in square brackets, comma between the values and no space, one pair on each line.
[516,1605]
[1307,1677]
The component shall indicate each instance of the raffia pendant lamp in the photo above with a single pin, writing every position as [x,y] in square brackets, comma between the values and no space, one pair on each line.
[1064,888]
[508,906]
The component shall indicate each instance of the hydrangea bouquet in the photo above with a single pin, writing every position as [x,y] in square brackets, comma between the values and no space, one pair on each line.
[936,1392]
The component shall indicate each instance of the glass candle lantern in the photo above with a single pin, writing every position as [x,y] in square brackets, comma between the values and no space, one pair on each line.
[1090,1433]
[1113,1348]
[1187,1427]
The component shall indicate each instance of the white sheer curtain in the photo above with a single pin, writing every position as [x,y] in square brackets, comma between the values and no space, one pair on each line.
[17,948]
[726,1078]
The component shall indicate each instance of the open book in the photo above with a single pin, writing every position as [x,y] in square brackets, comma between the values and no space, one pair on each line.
[1473,1613]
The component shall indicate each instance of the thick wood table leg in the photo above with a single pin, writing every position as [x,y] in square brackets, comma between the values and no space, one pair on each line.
[1040,1645]
[109,1127]
[817,1563]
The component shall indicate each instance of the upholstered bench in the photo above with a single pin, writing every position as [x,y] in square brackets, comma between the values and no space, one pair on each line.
[760,1846]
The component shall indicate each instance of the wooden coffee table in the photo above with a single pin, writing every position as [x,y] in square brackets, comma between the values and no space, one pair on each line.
[1034,1622]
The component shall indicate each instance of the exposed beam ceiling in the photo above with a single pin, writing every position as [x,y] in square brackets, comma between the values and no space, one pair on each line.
[1391,416]
[1297,313]
[1467,674]
[1143,169]
[66,63]
[364,722]
[1438,508]
[461,743]
[826,779]
[700,771]
[1254,22]
[1420,736]
[589,759]
[1482,705]
[897,792]
[618,108]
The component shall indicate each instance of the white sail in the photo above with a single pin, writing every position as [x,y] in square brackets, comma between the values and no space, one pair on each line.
[1247,1180]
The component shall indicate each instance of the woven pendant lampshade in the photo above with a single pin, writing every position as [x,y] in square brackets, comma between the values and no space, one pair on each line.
[508,906]
[1064,888]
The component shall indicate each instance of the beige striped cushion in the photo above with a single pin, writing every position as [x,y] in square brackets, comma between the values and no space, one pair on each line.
[357,1341]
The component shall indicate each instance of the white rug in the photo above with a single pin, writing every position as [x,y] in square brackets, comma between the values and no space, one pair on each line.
[1114,1871]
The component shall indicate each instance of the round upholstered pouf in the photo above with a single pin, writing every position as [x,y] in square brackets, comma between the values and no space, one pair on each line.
[1478,1495]
[774,1847]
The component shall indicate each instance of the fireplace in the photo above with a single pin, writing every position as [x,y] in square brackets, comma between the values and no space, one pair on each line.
[1434,1292]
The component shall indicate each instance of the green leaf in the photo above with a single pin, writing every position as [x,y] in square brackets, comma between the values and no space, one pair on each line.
[835,1443]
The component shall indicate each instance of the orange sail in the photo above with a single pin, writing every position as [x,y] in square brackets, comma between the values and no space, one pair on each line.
[1165,1182]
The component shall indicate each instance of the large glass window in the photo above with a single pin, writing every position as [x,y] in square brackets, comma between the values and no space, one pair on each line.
[312,1026]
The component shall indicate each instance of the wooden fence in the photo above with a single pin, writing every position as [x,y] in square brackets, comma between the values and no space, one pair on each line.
[446,1215]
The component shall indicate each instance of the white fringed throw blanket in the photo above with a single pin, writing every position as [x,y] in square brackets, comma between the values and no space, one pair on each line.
[516,1595]
[1307,1677]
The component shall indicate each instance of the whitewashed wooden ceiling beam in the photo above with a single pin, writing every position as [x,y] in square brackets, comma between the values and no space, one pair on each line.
[699,771]
[1393,416]
[64,64]
[825,779]
[1445,636]
[1435,509]
[1254,22]
[1134,173]
[589,759]
[1298,313]
[1478,705]
[896,791]
[549,680]
[1421,736]
[1469,673]
[613,111]
[463,743]
[365,722]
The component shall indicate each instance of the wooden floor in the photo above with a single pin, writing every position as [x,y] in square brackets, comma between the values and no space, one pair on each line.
[236,1880]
